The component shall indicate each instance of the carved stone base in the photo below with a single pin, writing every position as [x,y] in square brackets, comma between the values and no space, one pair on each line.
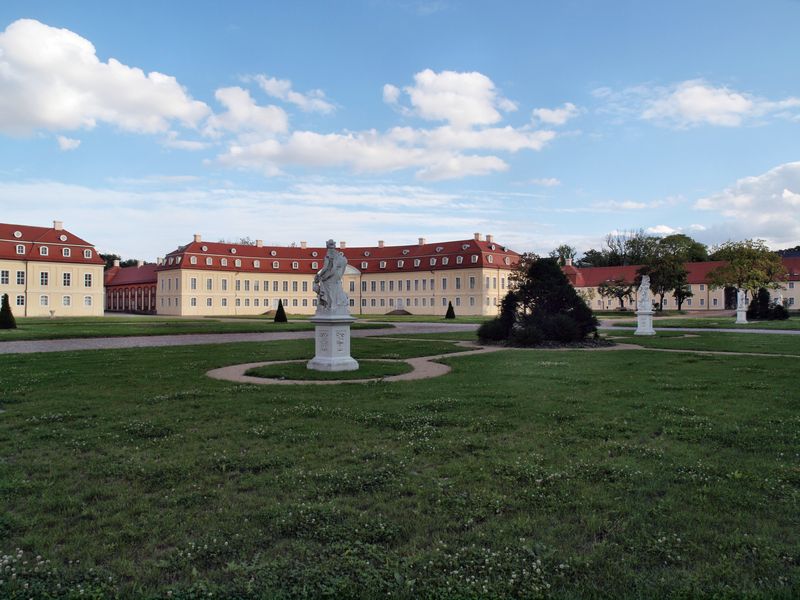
[741,315]
[644,322]
[332,344]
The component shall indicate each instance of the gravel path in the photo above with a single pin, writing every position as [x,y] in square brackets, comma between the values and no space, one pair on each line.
[28,347]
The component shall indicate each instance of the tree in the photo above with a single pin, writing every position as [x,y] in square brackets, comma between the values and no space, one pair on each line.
[750,265]
[564,252]
[616,288]
[666,273]
[450,314]
[110,258]
[593,258]
[683,248]
[280,314]
[764,308]
[622,248]
[681,293]
[7,320]
[518,277]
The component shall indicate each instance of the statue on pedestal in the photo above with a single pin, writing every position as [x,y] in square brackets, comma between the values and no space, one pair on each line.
[741,306]
[328,283]
[644,299]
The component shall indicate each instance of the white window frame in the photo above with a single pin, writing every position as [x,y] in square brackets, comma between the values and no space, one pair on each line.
[20,249]
[44,251]
[65,252]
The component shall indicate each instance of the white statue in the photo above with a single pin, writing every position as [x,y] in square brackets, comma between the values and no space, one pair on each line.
[644,300]
[328,283]
[778,301]
[741,299]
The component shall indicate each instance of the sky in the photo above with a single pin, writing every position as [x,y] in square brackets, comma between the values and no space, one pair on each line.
[139,124]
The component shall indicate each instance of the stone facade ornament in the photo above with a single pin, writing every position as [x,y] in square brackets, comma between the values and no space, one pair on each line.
[741,306]
[644,308]
[332,320]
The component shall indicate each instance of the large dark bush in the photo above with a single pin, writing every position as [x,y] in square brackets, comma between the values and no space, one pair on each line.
[7,320]
[762,309]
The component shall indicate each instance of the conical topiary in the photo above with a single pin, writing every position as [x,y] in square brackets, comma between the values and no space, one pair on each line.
[280,314]
[451,314]
[7,320]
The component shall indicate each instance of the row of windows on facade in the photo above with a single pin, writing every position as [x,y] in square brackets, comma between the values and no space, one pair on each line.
[374,286]
[45,251]
[45,300]
[374,302]
[688,301]
[209,261]
[44,278]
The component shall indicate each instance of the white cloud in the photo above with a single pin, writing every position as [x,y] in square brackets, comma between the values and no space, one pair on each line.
[556,116]
[692,103]
[391,93]
[244,115]
[763,206]
[546,181]
[67,144]
[172,140]
[662,230]
[462,99]
[313,101]
[52,79]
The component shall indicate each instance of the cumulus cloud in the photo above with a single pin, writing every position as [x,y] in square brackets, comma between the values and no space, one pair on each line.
[693,103]
[556,116]
[52,79]
[546,181]
[67,144]
[662,230]
[313,101]
[463,99]
[243,114]
[763,206]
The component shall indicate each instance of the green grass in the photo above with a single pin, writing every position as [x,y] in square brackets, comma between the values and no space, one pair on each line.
[88,327]
[367,369]
[719,323]
[422,319]
[714,341]
[521,474]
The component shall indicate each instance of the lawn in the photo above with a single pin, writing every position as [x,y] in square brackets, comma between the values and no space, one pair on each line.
[422,319]
[521,474]
[33,328]
[367,369]
[718,323]
[713,341]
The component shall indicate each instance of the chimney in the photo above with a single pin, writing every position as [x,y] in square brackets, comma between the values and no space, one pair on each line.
[259,243]
[304,245]
[489,238]
[159,260]
[342,244]
[567,262]
[116,262]
[380,243]
[421,241]
[139,264]
[58,225]
[477,236]
[198,237]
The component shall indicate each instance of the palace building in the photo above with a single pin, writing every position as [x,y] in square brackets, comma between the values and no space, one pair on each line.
[215,278]
[49,271]
[131,289]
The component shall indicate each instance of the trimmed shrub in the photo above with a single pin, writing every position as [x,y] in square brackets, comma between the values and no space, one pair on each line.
[7,320]
[560,328]
[450,314]
[280,314]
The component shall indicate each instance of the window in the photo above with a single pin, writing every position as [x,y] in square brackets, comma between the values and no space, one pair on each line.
[399,285]
[193,260]
[372,287]
[352,287]
[238,302]
[237,263]
[364,265]
[224,302]
[193,302]
[688,302]
[87,254]
[383,302]
[424,284]
[193,283]
[372,302]
[490,258]
[294,286]
[66,301]
[488,301]
[274,286]
[416,301]
[20,300]
[44,278]
[383,286]
[257,264]
[66,279]
[433,261]
[208,301]
[400,264]
[295,265]
[791,301]
[294,301]
[285,286]
[352,302]
[3,277]
[20,249]
[237,285]
[472,283]
[65,252]
[223,262]
[502,283]
[459,260]
[315,265]
[44,301]
[246,285]
[791,285]
[275,264]
[458,301]
[305,286]
[444,284]
[445,260]
[416,262]
[416,285]
[363,302]
[224,285]
[487,283]
[444,302]
[209,283]
[247,301]
[44,250]
[474,258]
[702,287]
[363,286]
[507,260]
[458,283]
[255,301]
[702,301]
[391,285]
[494,283]
[255,285]
[714,302]
[209,261]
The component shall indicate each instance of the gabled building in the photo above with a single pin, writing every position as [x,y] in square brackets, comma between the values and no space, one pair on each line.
[213,278]
[49,271]
[131,289]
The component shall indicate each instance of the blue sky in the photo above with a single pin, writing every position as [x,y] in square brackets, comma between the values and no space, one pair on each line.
[139,124]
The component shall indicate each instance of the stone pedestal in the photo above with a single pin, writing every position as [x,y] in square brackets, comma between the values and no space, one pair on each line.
[644,325]
[332,344]
[741,315]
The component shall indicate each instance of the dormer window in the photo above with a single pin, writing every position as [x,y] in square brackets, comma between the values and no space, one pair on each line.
[295,264]
[400,264]
[366,252]
[416,262]
[177,260]
[65,252]
[465,246]
[62,237]
[275,264]
[406,251]
[237,263]
[439,248]
[44,250]
[490,258]
[20,249]
[223,262]
[233,250]
[445,260]
[474,259]
[87,254]
[459,260]
[257,264]
[193,260]
[433,261]
[382,264]
[492,247]
[17,234]
[204,248]
[273,253]
[315,253]
[507,260]
[315,265]
[171,260]
[364,265]
[209,260]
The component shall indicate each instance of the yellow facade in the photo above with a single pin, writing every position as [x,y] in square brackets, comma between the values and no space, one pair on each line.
[44,289]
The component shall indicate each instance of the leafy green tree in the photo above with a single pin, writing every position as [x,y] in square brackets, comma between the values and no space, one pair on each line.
[280,314]
[683,248]
[451,313]
[622,248]
[564,252]
[593,258]
[763,308]
[681,293]
[750,265]
[7,320]
[110,258]
[616,288]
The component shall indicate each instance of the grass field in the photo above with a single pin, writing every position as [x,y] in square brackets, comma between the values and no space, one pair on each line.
[713,341]
[367,369]
[88,327]
[421,319]
[521,474]
[718,323]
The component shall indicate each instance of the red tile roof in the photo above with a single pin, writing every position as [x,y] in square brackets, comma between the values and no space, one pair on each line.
[55,240]
[367,259]
[144,275]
